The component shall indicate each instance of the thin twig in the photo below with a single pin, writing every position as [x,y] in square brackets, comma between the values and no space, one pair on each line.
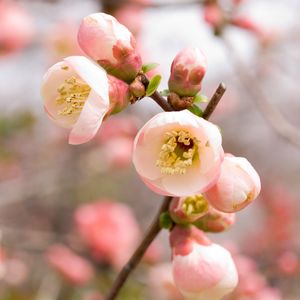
[155,228]
[214,101]
[150,235]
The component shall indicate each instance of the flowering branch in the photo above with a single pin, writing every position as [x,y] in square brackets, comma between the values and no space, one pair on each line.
[155,228]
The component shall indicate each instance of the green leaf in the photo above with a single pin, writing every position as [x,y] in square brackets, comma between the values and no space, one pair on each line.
[153,85]
[196,110]
[148,67]
[165,221]
[165,93]
[200,98]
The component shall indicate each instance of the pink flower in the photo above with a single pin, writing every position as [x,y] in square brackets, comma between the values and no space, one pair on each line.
[16,27]
[109,229]
[161,283]
[202,270]
[288,262]
[213,15]
[77,95]
[237,186]
[111,44]
[188,209]
[178,153]
[187,71]
[215,221]
[72,267]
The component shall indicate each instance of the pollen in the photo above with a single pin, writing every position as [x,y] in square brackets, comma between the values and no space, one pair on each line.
[195,205]
[72,94]
[177,153]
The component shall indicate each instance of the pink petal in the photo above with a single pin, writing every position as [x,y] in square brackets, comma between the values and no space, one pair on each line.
[89,120]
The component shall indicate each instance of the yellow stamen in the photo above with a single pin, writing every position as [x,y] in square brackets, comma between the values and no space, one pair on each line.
[73,94]
[195,205]
[178,152]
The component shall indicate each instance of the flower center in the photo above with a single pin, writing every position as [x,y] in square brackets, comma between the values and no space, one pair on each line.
[195,205]
[177,153]
[72,94]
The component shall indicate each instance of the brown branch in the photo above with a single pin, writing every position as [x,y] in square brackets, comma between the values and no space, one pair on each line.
[155,228]
[211,106]
[150,235]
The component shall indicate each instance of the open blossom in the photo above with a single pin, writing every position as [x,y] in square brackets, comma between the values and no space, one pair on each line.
[186,210]
[109,229]
[187,71]
[111,44]
[215,221]
[178,153]
[78,94]
[72,267]
[16,27]
[237,186]
[202,270]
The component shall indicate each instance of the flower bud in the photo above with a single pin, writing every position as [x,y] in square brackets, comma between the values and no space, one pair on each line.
[76,95]
[215,221]
[189,209]
[237,186]
[187,71]
[111,44]
[201,270]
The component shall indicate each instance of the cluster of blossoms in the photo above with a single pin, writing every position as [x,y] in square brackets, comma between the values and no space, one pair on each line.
[177,153]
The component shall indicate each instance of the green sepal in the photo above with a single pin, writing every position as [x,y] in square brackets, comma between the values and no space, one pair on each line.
[148,67]
[196,110]
[165,221]
[200,99]
[153,85]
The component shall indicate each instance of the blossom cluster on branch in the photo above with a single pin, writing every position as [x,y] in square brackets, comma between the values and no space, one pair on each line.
[177,153]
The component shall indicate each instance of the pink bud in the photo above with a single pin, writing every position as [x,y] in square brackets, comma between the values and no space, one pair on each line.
[188,209]
[178,154]
[72,267]
[187,71]
[202,270]
[215,221]
[109,229]
[76,95]
[111,44]
[16,27]
[237,186]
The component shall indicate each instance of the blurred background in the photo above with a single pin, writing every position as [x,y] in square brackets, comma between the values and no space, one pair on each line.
[52,195]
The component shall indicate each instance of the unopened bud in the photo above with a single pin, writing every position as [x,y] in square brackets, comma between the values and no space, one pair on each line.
[137,88]
[187,72]
[111,44]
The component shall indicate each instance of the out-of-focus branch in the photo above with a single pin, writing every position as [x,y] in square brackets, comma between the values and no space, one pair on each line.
[155,228]
[270,112]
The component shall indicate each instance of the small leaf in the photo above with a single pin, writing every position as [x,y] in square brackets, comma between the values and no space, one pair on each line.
[200,98]
[196,110]
[148,67]
[153,85]
[165,93]
[165,221]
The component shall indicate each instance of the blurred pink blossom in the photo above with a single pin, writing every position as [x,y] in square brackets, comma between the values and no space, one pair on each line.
[109,229]
[16,27]
[72,267]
